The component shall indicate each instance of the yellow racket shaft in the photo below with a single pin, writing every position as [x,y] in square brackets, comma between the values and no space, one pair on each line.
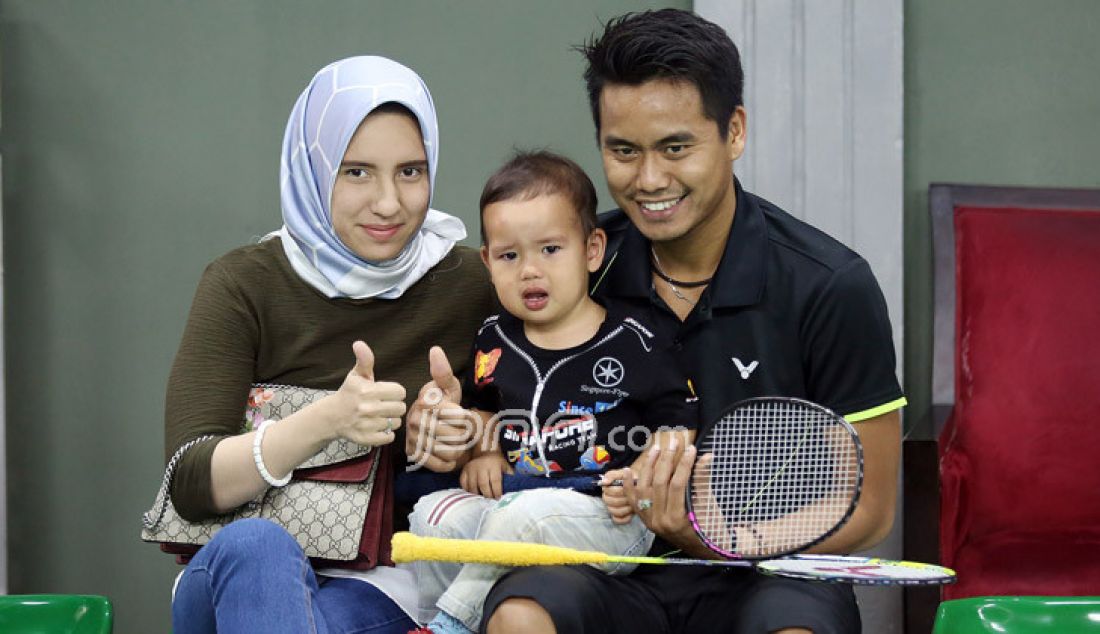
[409,547]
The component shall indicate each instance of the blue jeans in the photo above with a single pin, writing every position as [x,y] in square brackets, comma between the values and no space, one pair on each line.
[253,577]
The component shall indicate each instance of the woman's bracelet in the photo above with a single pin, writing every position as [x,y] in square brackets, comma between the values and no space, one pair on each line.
[258,457]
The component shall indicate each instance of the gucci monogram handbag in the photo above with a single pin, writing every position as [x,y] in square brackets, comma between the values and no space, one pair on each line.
[337,504]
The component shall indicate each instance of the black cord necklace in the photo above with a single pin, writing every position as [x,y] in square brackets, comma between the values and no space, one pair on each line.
[664,276]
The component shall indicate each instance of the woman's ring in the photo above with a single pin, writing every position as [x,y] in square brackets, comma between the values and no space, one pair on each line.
[645,504]
[390,424]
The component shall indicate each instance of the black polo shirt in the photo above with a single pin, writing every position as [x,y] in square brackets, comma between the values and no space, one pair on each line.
[595,405]
[789,312]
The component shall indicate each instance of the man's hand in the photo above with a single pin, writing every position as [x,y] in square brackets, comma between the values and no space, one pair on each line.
[658,497]
[615,498]
[482,475]
[439,430]
[364,410]
[705,505]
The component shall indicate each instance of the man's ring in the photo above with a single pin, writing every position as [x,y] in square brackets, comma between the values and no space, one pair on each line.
[390,424]
[645,504]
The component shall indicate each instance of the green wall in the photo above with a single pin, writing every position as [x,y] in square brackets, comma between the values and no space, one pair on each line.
[140,140]
[997,92]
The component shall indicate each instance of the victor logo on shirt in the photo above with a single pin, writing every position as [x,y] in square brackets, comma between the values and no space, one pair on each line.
[745,370]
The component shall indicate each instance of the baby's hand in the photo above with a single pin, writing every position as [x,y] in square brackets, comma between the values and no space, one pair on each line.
[614,497]
[482,475]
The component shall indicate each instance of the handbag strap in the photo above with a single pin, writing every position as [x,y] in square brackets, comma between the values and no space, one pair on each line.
[147,517]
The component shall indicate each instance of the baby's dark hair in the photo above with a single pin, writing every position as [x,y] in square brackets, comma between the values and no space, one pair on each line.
[666,44]
[528,175]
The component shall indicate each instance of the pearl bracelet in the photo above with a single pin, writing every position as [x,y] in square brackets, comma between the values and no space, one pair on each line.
[257,456]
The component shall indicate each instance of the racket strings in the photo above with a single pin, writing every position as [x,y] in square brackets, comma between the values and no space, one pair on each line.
[780,474]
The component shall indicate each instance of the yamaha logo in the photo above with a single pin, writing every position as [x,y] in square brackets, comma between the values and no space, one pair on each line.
[608,372]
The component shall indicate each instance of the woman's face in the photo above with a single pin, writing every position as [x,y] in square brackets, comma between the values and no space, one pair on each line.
[382,188]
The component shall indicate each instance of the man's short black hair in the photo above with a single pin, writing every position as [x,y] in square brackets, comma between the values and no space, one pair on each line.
[528,175]
[666,44]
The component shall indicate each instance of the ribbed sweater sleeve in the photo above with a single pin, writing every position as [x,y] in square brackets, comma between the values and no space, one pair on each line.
[208,385]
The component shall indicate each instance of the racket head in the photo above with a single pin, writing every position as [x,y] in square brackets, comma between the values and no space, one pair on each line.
[775,476]
[864,571]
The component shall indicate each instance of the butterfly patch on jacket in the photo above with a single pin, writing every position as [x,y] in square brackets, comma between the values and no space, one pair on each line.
[484,364]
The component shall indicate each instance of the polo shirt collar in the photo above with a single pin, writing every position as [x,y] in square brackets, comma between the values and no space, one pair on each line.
[740,278]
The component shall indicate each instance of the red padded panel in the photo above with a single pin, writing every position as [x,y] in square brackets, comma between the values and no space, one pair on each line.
[1027,566]
[1021,453]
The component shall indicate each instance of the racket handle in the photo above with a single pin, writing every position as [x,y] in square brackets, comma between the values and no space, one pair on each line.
[519,482]
[408,547]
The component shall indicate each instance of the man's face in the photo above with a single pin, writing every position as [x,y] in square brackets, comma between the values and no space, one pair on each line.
[667,166]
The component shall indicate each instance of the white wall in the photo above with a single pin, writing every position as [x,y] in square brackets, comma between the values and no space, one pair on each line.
[823,91]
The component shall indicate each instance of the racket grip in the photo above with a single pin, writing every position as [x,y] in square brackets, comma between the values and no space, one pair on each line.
[408,547]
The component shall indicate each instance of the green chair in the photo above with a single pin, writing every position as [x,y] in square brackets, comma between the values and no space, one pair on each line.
[55,614]
[1019,615]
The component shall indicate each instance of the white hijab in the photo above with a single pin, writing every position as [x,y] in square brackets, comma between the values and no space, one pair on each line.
[324,118]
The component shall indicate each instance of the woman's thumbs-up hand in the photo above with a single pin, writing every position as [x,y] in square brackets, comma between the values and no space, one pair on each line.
[440,431]
[366,411]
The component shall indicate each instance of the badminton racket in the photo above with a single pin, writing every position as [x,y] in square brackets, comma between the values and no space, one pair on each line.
[826,568]
[774,476]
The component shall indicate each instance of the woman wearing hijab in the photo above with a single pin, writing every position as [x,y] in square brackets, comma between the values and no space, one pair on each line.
[361,259]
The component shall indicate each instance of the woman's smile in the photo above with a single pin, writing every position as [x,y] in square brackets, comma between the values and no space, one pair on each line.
[382,233]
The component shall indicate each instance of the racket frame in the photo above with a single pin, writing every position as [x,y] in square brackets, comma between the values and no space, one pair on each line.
[749,402]
[946,575]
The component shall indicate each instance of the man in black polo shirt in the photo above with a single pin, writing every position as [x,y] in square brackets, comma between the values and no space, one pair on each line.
[756,303]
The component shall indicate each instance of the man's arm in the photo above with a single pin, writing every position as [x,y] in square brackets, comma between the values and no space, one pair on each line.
[874,516]
[849,356]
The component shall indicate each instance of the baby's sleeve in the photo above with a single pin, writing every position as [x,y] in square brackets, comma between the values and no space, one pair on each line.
[476,392]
